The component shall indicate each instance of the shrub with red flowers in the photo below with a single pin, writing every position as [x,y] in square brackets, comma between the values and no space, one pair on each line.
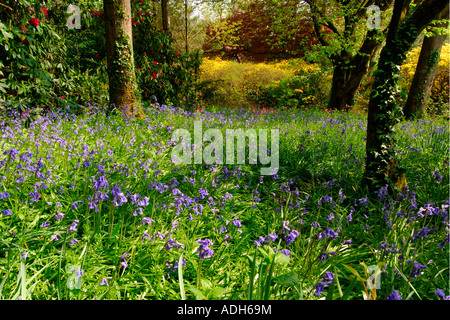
[162,73]
[34,22]
[31,83]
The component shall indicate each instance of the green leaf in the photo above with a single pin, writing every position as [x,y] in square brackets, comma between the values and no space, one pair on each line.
[289,279]
[197,293]
[281,259]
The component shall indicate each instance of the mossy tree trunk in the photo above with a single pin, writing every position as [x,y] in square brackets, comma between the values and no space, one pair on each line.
[427,64]
[381,164]
[123,88]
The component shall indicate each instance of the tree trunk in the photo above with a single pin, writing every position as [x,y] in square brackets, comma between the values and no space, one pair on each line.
[123,90]
[165,14]
[425,73]
[349,72]
[345,84]
[381,165]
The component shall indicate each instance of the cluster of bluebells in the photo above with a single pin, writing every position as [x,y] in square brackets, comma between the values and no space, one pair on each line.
[394,295]
[266,240]
[326,281]
[204,251]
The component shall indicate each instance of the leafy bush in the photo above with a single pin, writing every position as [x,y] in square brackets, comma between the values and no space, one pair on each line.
[309,87]
[238,84]
[162,73]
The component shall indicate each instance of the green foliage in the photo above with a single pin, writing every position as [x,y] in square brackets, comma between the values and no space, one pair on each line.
[163,74]
[306,89]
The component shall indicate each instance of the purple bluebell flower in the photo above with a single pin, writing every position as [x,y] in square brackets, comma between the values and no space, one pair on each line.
[204,251]
[4,195]
[330,217]
[34,196]
[147,220]
[7,212]
[59,216]
[73,226]
[330,233]
[171,243]
[441,294]
[326,281]
[394,296]
[203,193]
[74,241]
[104,282]
[45,224]
[291,237]
[55,237]
[417,268]
[236,222]
[272,236]
[75,204]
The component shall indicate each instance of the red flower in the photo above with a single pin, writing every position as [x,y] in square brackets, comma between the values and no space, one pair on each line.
[155,63]
[23,28]
[96,13]
[170,36]
[147,13]
[92,11]
[34,22]
[97,55]
[152,52]
[141,1]
[140,13]
[154,75]
[135,23]
[45,11]
[177,54]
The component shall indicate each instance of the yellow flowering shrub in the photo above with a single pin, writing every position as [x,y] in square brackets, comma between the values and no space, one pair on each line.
[236,82]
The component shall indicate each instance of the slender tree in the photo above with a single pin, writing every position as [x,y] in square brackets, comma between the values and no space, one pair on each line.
[123,88]
[422,82]
[165,15]
[405,26]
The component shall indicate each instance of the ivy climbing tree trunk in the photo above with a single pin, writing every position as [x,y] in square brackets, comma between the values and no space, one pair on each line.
[422,83]
[381,164]
[123,88]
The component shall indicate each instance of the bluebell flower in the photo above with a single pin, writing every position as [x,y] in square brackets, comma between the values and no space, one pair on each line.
[7,212]
[4,195]
[236,222]
[75,204]
[330,217]
[272,236]
[104,282]
[73,226]
[203,193]
[171,243]
[441,294]
[147,220]
[394,296]
[291,237]
[204,251]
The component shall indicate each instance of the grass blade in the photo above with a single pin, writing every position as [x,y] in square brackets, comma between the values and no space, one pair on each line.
[180,277]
